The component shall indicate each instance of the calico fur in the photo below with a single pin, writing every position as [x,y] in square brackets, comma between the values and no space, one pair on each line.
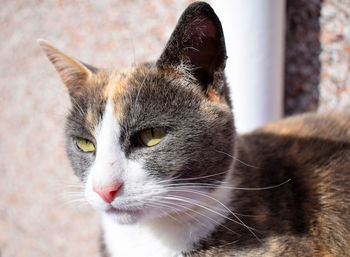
[281,190]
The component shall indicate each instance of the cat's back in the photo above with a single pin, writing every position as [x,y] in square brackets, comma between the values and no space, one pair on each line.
[331,126]
[309,139]
[312,140]
[312,152]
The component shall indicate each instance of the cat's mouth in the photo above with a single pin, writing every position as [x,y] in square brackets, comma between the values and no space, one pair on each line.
[117,211]
[126,215]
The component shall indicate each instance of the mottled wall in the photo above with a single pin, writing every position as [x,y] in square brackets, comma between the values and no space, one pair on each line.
[335,56]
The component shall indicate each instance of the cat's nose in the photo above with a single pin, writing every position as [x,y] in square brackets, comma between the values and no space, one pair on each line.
[108,193]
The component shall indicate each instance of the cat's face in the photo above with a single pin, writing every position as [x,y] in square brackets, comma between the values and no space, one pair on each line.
[143,136]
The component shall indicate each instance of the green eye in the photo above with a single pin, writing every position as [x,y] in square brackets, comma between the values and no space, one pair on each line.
[84,144]
[152,136]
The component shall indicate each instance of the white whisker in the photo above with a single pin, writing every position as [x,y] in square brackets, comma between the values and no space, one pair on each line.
[193,178]
[158,204]
[194,202]
[74,202]
[160,208]
[236,159]
[210,186]
[223,205]
[175,206]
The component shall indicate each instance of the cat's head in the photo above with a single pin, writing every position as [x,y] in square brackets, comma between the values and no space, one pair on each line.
[141,136]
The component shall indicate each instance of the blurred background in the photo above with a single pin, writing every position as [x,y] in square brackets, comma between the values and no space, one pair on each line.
[38,216]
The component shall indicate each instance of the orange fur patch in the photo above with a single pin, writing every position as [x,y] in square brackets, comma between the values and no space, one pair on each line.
[117,83]
[116,87]
[214,97]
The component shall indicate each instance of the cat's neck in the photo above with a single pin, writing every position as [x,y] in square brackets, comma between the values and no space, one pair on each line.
[172,234]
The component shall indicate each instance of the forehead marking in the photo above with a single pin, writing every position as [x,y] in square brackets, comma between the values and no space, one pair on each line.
[117,83]
[116,88]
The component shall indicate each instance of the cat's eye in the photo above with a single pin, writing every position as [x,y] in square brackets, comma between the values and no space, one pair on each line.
[152,136]
[84,144]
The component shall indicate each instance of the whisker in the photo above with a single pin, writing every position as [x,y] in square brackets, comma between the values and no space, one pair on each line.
[193,202]
[236,159]
[240,221]
[175,207]
[185,190]
[177,210]
[69,183]
[199,213]
[194,178]
[72,194]
[70,197]
[208,185]
[74,203]
[159,207]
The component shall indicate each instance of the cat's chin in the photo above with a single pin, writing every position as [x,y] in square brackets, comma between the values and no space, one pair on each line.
[125,216]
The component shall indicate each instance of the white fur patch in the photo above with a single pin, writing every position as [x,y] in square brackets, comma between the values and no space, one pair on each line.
[134,240]
[102,173]
[166,236]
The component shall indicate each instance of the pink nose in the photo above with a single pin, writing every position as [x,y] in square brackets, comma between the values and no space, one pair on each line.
[108,193]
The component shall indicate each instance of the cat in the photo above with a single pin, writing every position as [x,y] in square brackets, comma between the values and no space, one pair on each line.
[156,148]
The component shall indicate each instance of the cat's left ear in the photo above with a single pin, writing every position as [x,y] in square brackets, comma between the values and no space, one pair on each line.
[74,74]
[197,41]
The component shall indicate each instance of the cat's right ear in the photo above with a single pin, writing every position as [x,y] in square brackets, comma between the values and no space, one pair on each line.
[73,73]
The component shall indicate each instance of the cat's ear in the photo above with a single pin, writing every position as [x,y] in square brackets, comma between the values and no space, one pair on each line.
[197,41]
[73,73]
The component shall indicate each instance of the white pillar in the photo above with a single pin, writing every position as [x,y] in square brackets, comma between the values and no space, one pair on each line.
[254,31]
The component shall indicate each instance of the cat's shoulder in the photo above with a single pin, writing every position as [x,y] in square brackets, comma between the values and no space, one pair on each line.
[309,127]
[325,125]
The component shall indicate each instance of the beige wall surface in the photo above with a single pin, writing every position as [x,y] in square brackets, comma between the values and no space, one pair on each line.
[334,85]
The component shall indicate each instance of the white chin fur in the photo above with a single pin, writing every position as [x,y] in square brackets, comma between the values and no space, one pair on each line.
[164,236]
[125,218]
